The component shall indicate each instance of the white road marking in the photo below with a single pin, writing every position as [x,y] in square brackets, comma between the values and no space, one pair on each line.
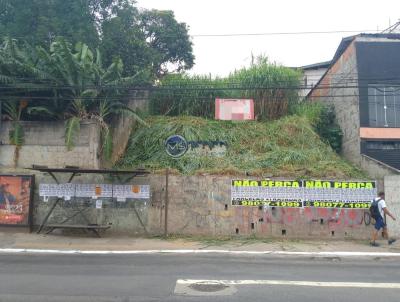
[228,252]
[290,283]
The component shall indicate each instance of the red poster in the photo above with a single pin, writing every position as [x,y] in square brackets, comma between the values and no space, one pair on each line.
[15,199]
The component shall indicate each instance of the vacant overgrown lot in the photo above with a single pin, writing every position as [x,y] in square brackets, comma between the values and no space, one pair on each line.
[285,147]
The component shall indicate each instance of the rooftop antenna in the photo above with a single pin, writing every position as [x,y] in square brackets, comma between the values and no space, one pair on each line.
[395,28]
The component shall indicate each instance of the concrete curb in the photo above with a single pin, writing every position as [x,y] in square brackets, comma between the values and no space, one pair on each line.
[188,251]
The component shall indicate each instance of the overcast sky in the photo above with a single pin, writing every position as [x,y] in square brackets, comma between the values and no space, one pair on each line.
[221,55]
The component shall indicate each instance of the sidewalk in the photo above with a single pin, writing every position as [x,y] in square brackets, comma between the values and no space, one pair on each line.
[11,239]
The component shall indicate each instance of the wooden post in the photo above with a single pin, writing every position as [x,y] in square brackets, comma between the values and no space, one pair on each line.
[166,204]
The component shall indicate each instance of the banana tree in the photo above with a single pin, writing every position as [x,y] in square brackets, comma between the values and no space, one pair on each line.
[90,91]
[12,111]
[65,83]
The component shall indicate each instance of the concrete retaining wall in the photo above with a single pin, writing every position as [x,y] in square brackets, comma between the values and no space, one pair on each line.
[200,205]
[45,145]
[123,124]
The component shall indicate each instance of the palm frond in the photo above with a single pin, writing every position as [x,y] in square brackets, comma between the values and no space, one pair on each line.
[90,93]
[123,109]
[72,129]
[38,110]
[105,109]
[11,109]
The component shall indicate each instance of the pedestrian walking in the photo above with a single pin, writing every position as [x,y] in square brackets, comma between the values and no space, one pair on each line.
[379,212]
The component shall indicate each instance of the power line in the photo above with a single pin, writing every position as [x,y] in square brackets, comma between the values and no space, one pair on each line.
[190,97]
[206,35]
[35,80]
[209,88]
[395,81]
[284,33]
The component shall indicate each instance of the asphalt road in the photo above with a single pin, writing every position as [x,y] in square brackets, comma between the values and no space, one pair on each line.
[154,278]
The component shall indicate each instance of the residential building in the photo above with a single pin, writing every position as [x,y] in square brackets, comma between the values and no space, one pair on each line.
[363,83]
[312,74]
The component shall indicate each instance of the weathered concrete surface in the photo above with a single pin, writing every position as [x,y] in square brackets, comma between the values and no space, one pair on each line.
[21,239]
[122,126]
[201,205]
[44,144]
[392,198]
[377,170]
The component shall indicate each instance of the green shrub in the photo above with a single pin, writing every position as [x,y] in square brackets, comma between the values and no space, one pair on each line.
[323,119]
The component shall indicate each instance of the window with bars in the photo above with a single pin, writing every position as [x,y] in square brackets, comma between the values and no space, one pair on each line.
[384,106]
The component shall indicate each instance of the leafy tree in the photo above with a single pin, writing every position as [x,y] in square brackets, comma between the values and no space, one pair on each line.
[122,38]
[39,22]
[144,40]
[168,39]
[151,40]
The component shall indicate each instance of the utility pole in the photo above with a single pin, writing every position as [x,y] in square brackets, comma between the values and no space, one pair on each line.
[393,29]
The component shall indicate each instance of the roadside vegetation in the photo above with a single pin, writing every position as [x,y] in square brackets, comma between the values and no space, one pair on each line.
[79,61]
[63,83]
[288,146]
[272,87]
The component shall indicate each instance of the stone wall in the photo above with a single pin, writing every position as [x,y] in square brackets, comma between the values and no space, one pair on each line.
[200,205]
[44,144]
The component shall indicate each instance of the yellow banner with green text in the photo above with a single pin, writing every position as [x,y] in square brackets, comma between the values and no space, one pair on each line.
[303,193]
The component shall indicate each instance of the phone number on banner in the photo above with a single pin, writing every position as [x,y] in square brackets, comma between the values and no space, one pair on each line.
[338,204]
[268,203]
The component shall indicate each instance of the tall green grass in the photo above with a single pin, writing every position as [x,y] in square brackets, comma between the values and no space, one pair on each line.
[272,87]
[285,147]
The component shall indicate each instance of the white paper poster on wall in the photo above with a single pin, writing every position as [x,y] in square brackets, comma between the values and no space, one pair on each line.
[131,191]
[95,191]
[57,190]
[99,204]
